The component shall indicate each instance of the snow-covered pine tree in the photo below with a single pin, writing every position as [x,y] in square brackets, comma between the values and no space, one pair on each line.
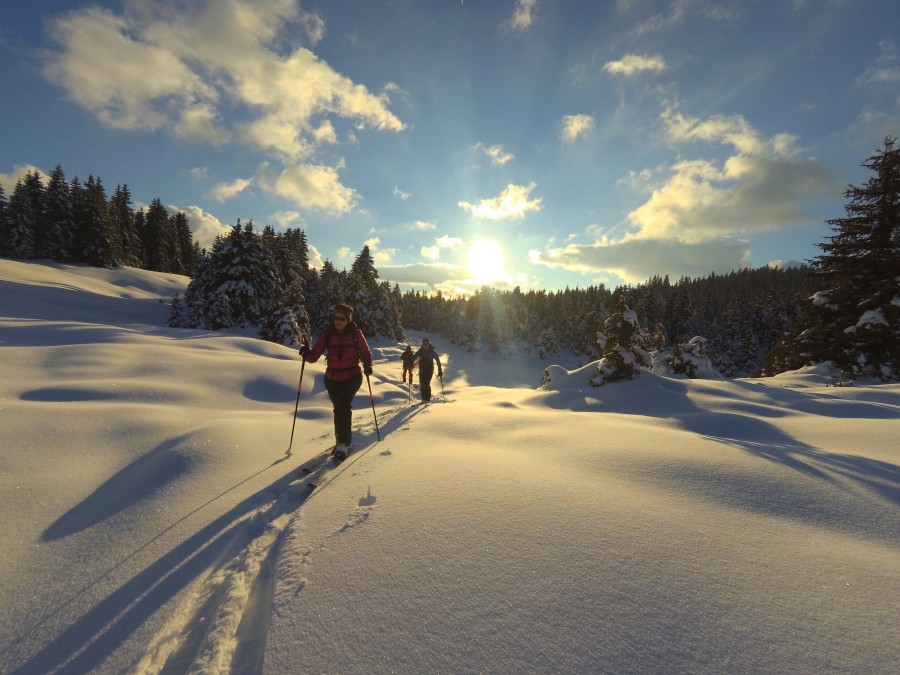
[855,319]
[374,311]
[176,312]
[690,358]
[242,271]
[622,345]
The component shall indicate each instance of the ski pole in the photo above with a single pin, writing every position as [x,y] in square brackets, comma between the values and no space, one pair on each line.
[296,408]
[441,378]
[372,400]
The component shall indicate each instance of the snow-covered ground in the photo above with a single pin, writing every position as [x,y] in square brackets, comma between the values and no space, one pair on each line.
[151,521]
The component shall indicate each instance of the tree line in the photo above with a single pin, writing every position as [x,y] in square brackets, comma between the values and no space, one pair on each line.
[842,307]
[75,221]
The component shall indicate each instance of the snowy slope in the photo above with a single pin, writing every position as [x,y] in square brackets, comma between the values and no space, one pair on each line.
[152,522]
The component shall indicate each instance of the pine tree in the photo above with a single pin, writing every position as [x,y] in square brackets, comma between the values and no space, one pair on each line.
[622,345]
[4,222]
[122,218]
[855,320]
[95,238]
[374,313]
[60,219]
[19,236]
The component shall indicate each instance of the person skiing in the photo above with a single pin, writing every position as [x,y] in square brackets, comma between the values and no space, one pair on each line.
[407,359]
[425,358]
[345,346]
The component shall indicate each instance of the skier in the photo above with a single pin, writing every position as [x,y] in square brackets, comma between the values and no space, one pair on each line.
[407,359]
[345,346]
[425,358]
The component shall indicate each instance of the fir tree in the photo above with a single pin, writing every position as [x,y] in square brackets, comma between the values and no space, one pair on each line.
[60,220]
[855,319]
[622,345]
[19,235]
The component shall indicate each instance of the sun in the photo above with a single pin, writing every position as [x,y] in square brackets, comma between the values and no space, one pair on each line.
[485,261]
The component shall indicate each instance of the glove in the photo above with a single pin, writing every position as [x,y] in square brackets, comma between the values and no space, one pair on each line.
[367,370]
[304,350]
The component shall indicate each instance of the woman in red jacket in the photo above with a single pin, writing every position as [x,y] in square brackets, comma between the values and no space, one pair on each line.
[344,347]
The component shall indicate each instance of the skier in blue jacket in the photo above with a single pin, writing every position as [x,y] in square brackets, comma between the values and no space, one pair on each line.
[425,358]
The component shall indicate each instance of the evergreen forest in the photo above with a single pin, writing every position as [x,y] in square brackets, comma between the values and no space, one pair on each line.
[843,307]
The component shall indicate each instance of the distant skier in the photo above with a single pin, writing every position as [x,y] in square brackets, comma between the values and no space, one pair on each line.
[407,359]
[425,358]
[345,346]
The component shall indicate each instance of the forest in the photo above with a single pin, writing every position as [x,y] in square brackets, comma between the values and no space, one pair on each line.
[842,307]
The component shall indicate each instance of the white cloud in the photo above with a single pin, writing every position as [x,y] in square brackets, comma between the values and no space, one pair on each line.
[404,196]
[633,64]
[430,252]
[9,180]
[199,172]
[573,127]
[523,16]
[421,225]
[513,202]
[225,191]
[287,218]
[495,153]
[763,185]
[179,66]
[635,260]
[309,186]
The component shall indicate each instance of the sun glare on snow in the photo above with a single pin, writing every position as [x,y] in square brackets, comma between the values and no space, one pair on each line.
[485,261]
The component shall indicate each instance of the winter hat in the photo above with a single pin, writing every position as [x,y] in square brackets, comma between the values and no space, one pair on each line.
[344,310]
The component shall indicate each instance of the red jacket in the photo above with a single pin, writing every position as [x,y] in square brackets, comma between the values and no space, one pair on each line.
[342,353]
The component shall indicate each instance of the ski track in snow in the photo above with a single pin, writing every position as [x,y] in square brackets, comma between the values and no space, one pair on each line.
[221,625]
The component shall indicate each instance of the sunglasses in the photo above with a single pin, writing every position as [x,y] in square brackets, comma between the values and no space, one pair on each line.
[340,317]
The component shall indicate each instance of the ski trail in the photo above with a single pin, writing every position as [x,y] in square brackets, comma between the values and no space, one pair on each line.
[221,621]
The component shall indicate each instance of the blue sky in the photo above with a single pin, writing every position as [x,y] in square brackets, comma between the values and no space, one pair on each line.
[511,142]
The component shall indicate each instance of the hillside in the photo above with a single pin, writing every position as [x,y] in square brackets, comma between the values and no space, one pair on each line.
[152,522]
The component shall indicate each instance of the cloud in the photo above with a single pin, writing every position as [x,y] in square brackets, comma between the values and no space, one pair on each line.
[495,153]
[404,196]
[199,172]
[632,64]
[225,191]
[637,260]
[309,186]
[9,180]
[700,210]
[886,69]
[178,67]
[440,243]
[764,185]
[523,16]
[287,219]
[513,202]
[574,127]
[421,225]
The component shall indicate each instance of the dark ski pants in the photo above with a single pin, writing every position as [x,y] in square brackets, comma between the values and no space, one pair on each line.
[341,393]
[425,375]
[407,369]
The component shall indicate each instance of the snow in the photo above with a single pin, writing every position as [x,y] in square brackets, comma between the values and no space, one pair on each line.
[152,523]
